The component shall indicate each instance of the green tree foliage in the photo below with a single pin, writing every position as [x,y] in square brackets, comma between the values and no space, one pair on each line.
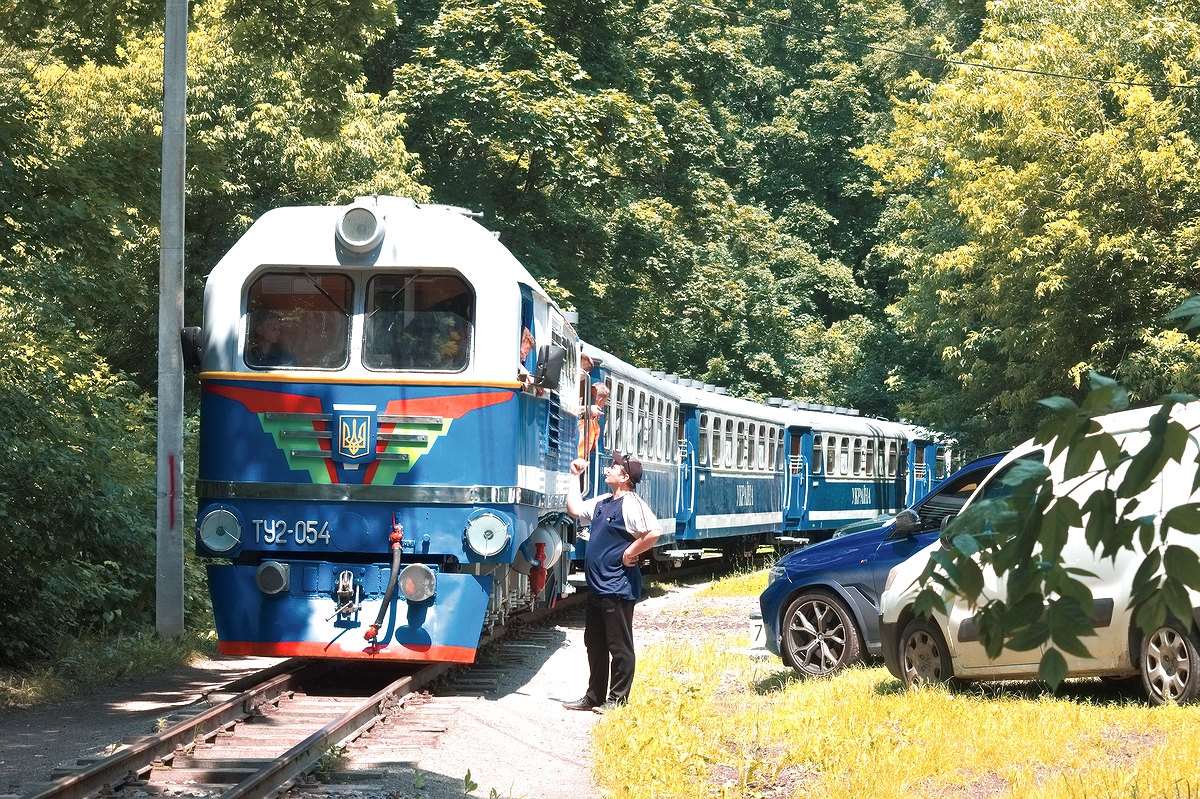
[320,44]
[258,139]
[696,180]
[612,150]
[1049,222]
[78,442]
[75,31]
[80,146]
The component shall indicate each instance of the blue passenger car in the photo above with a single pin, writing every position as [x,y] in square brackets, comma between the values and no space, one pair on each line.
[731,474]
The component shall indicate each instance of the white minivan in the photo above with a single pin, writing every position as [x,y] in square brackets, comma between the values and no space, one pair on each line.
[919,649]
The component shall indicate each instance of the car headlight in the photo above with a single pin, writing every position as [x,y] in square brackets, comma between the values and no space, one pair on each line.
[774,573]
[891,578]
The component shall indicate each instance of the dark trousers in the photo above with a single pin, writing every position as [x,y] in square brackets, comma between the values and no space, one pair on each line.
[608,636]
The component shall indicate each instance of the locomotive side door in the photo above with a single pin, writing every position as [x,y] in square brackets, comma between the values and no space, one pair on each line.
[796,478]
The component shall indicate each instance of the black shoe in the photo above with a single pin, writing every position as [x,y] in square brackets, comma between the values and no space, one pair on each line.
[611,704]
[579,704]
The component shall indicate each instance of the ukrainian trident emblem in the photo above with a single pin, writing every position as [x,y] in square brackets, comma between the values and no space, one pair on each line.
[354,429]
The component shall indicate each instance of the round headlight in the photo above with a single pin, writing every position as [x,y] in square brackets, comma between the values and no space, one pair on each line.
[417,582]
[220,530]
[360,229]
[487,534]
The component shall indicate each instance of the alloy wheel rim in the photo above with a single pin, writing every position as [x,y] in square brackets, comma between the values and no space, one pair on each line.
[818,637]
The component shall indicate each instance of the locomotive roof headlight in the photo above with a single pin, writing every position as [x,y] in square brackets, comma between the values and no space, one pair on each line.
[487,534]
[220,530]
[360,229]
[273,577]
[417,582]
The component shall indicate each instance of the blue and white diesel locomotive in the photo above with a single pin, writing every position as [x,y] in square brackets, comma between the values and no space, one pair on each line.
[389,404]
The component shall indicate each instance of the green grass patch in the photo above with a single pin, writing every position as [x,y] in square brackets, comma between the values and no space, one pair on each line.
[707,720]
[750,583]
[82,666]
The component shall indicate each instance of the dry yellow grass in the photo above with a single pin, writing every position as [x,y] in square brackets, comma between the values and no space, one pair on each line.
[706,720]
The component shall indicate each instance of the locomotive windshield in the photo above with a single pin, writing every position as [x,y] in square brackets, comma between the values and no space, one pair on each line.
[418,321]
[298,319]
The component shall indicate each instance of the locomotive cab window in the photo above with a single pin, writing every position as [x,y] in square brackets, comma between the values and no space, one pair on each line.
[418,322]
[298,319]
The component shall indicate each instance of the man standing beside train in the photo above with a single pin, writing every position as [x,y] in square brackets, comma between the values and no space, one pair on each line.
[623,528]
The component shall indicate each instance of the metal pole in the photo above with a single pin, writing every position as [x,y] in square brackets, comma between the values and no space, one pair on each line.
[169,585]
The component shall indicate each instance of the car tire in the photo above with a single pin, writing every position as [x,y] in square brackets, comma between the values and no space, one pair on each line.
[1169,661]
[924,656]
[819,635]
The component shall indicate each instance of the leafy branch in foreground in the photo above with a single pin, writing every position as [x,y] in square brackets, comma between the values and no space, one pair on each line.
[1019,533]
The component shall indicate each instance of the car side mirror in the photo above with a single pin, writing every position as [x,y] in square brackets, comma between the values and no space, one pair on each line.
[907,521]
[549,366]
[192,341]
[945,523]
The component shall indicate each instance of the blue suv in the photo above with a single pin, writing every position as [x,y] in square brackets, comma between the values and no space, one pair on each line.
[820,611]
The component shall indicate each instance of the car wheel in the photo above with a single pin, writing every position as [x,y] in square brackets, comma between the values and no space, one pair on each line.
[819,636]
[924,657]
[1170,664]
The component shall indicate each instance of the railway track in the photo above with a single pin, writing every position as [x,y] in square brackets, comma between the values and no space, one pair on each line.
[255,742]
[272,732]
[292,727]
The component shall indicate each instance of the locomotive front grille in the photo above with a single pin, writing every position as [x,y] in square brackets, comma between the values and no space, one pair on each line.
[324,453]
[317,435]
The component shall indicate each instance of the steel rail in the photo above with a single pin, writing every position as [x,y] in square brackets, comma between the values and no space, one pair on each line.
[302,757]
[126,763]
